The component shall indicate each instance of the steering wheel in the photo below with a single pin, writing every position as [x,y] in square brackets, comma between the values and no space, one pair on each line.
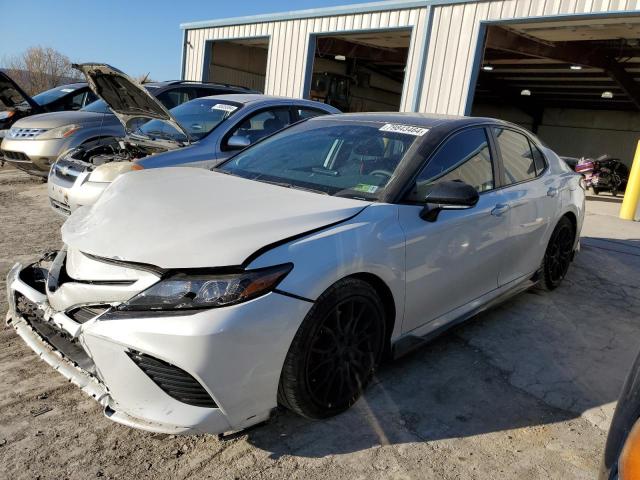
[381,173]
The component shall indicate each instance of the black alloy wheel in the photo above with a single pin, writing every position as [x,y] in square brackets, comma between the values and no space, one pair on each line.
[335,352]
[559,253]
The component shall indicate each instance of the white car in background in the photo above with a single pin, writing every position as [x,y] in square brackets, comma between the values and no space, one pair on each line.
[190,301]
[197,133]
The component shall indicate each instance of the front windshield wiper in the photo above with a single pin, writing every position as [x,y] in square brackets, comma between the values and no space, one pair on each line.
[289,185]
[159,134]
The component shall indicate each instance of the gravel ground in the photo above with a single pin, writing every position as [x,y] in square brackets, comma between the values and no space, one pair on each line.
[524,391]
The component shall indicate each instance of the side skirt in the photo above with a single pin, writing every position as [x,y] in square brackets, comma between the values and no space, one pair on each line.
[423,335]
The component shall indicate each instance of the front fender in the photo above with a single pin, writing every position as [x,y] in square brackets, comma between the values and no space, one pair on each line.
[372,242]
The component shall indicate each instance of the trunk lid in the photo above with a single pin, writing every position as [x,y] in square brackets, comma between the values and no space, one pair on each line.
[190,218]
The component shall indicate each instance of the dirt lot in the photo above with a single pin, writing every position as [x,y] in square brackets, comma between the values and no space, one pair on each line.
[525,391]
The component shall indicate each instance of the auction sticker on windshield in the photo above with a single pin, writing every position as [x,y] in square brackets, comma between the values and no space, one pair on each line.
[406,129]
[225,107]
[363,187]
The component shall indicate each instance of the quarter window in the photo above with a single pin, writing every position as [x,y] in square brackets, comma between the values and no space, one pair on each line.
[517,158]
[538,159]
[465,157]
[309,112]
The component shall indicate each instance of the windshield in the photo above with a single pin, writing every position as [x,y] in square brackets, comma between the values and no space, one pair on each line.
[54,94]
[99,106]
[351,159]
[198,117]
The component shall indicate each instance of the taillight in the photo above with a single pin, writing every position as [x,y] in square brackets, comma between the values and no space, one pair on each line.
[629,462]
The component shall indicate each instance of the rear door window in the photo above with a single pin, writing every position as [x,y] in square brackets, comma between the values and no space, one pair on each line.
[263,123]
[517,157]
[177,96]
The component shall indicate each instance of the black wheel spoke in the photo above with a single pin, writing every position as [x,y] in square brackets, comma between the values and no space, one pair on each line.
[343,352]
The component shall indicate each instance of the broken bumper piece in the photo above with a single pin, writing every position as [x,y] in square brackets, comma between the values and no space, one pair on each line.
[210,371]
[59,341]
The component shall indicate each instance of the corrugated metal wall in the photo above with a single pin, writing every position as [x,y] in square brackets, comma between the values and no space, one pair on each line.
[289,45]
[451,46]
[454,38]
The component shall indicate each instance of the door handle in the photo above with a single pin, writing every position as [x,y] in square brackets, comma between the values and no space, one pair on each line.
[500,209]
[552,192]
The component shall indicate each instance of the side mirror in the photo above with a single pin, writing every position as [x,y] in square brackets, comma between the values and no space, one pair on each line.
[238,142]
[449,195]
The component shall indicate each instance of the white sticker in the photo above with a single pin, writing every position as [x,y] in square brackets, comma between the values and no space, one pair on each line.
[67,90]
[407,129]
[225,107]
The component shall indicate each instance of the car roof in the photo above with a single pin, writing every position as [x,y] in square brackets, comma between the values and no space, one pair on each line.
[168,83]
[425,120]
[75,86]
[249,98]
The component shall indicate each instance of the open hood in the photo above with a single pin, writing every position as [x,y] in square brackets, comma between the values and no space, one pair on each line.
[190,218]
[11,95]
[126,98]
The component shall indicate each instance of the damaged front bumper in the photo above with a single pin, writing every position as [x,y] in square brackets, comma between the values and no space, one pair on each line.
[232,354]
[57,339]
[63,363]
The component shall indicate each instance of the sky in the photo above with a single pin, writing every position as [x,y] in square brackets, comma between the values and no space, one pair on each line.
[136,36]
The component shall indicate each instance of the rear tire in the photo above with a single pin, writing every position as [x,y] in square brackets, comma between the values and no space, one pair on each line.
[595,190]
[335,352]
[558,255]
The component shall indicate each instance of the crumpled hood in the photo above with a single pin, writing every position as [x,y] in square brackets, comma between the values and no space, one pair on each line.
[190,218]
[59,119]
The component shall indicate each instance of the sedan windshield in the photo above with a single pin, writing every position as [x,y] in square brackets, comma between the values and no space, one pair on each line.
[342,158]
[198,117]
[52,95]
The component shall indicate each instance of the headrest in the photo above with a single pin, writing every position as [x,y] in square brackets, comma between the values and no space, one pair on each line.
[371,147]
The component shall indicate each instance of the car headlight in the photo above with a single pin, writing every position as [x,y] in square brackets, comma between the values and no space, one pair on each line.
[187,291]
[7,114]
[59,132]
[108,172]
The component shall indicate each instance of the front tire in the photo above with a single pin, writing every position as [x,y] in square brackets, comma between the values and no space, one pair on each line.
[335,352]
[559,254]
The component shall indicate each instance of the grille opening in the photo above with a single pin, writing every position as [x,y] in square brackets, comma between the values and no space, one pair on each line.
[10,155]
[60,206]
[34,276]
[54,335]
[86,313]
[173,381]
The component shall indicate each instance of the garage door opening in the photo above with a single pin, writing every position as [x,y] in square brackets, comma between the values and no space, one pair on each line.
[239,62]
[573,82]
[360,72]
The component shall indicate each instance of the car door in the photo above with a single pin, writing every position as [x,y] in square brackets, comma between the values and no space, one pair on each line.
[255,126]
[456,259]
[531,198]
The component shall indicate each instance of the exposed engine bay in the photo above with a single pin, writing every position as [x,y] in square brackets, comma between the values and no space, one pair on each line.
[107,150]
[107,158]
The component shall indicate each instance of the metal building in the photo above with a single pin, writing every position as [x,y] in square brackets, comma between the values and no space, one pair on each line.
[566,69]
